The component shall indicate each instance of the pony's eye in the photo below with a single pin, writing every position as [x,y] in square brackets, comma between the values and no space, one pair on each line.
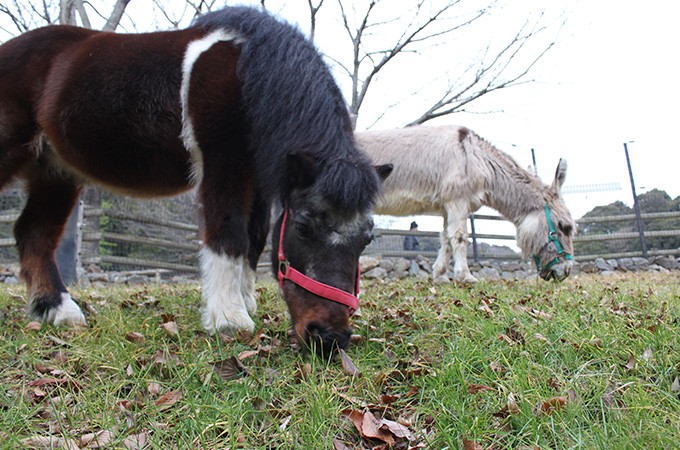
[303,229]
[566,229]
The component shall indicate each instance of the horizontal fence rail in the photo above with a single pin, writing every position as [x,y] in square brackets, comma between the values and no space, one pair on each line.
[191,243]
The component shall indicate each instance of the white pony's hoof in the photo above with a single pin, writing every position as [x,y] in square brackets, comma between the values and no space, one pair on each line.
[67,314]
[441,279]
[467,279]
[240,321]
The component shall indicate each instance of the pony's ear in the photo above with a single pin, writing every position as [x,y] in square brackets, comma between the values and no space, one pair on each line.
[560,176]
[384,170]
[302,170]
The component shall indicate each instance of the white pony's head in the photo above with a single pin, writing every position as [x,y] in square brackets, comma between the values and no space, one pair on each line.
[546,234]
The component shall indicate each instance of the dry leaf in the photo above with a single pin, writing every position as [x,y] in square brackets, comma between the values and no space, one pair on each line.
[540,337]
[168,399]
[136,441]
[550,406]
[512,404]
[348,366]
[631,363]
[129,370]
[247,354]
[396,429]
[33,326]
[475,388]
[162,358]
[608,396]
[471,445]
[171,328]
[647,354]
[50,442]
[340,445]
[153,388]
[230,369]
[134,336]
[675,387]
[102,439]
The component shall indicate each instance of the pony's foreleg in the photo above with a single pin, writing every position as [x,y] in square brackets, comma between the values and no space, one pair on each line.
[258,229]
[444,255]
[228,279]
[37,232]
[457,234]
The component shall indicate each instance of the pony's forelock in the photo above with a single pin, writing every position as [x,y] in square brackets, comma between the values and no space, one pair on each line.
[349,185]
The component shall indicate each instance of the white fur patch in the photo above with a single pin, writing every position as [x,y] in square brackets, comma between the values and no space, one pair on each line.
[347,230]
[68,313]
[249,278]
[194,50]
[532,233]
[224,283]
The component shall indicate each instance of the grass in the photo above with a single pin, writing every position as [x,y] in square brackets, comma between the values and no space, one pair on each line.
[590,363]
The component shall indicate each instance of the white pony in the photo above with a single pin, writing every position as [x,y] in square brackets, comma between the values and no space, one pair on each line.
[451,171]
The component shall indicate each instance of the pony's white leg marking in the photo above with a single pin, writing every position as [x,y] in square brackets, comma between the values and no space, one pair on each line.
[444,255]
[224,308]
[456,231]
[249,278]
[194,50]
[68,313]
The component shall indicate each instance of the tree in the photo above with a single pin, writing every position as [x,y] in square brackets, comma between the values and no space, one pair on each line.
[26,15]
[409,50]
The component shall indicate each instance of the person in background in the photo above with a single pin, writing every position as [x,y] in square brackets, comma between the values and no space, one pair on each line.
[411,242]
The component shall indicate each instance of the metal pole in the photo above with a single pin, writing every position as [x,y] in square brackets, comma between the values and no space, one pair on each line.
[533,159]
[474,238]
[636,205]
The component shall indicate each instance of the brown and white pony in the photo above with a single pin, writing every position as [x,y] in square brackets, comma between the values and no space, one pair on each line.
[240,105]
[451,171]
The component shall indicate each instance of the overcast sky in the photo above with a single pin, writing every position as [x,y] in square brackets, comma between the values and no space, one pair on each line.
[612,78]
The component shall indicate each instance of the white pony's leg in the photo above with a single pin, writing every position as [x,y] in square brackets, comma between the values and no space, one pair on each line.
[444,255]
[224,284]
[248,286]
[458,235]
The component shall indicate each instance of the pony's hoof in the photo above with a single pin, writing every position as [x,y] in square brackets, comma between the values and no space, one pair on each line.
[67,313]
[228,325]
[441,279]
[467,279]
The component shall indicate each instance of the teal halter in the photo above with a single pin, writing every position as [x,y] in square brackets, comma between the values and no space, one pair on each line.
[552,237]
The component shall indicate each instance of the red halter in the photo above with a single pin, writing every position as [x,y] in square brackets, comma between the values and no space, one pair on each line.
[313,286]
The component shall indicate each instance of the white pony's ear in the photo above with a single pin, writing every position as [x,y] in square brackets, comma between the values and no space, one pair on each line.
[560,176]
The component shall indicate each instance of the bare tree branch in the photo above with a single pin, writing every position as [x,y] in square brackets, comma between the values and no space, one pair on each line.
[116,14]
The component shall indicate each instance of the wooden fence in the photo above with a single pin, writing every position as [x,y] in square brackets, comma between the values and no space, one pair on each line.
[192,243]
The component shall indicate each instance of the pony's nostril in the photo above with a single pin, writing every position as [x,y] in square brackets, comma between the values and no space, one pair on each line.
[326,342]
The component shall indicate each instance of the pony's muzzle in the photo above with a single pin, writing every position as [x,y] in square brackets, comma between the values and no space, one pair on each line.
[558,272]
[324,341]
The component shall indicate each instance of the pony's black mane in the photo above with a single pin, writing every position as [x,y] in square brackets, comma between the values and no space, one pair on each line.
[294,105]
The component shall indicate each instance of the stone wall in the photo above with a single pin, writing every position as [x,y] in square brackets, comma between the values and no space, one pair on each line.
[375,267]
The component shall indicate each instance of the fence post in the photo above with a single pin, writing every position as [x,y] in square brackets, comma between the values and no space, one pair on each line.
[475,254]
[67,252]
[636,205]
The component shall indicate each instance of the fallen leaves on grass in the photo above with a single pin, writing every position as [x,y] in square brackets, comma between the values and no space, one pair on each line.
[348,366]
[383,430]
[230,369]
[475,388]
[170,327]
[168,399]
[471,445]
[134,336]
[550,406]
